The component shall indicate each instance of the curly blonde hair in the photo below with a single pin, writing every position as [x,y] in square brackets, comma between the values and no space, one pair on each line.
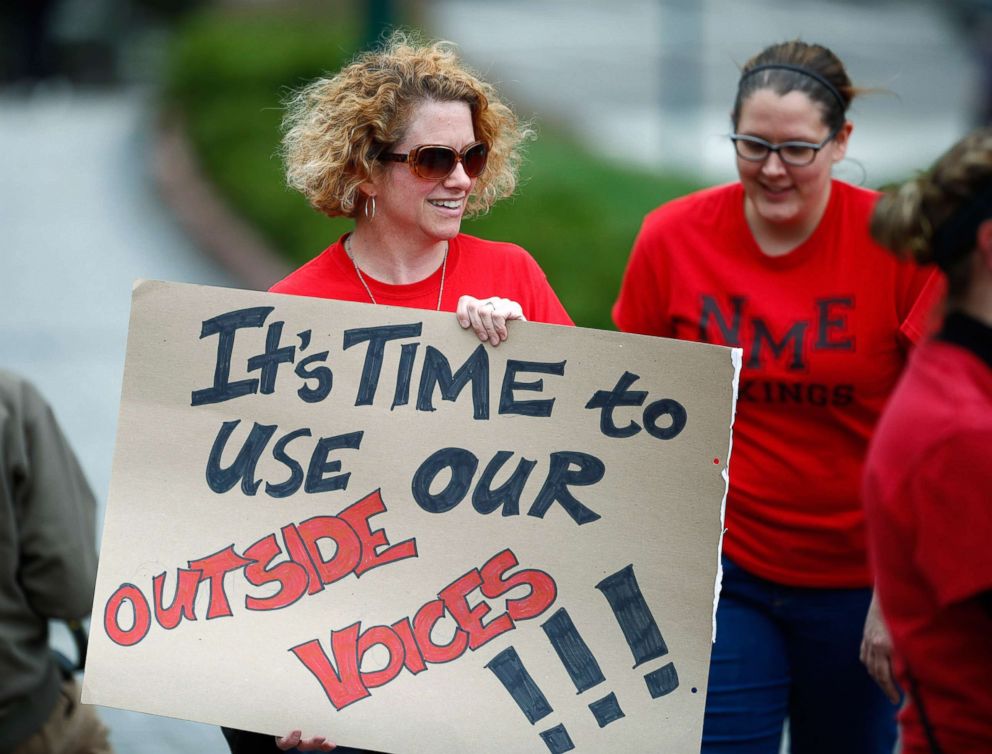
[335,128]
[907,217]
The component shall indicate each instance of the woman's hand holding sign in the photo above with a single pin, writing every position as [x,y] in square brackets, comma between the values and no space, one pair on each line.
[488,317]
[295,739]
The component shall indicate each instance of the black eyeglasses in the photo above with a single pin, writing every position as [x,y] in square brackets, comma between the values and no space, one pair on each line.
[795,153]
[436,162]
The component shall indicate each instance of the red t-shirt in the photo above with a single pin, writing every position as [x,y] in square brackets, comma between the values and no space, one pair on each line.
[825,330]
[474,268]
[928,497]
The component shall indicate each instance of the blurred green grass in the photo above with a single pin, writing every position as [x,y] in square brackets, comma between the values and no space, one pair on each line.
[229,73]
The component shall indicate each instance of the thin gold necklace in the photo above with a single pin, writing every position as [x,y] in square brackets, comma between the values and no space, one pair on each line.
[361,277]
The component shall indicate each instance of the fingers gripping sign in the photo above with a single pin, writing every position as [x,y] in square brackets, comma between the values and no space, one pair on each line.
[296,740]
[488,316]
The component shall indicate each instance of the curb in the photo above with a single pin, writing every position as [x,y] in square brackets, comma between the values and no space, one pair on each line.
[205,216]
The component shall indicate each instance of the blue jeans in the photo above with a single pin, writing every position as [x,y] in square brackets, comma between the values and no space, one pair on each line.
[792,652]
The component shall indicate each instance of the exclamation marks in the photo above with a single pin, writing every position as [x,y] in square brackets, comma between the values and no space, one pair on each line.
[514,676]
[581,665]
[639,629]
[643,637]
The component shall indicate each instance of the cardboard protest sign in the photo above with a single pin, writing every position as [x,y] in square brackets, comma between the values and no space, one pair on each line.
[359,522]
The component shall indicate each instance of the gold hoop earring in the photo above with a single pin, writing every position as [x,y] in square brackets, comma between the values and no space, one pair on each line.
[370,213]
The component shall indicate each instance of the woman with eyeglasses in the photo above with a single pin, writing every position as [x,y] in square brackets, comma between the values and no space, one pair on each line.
[407,141]
[780,263]
[928,478]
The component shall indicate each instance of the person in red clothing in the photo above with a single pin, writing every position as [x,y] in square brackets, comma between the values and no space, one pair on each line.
[928,478]
[781,264]
[407,141]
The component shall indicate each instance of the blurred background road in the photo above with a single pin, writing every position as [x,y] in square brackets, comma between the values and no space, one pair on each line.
[652,83]
[80,223]
[646,83]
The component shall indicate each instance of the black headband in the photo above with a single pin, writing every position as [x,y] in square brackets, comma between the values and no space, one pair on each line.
[798,69]
[955,237]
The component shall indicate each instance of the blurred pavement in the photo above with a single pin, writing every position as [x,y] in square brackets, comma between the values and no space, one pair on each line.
[81,221]
[652,82]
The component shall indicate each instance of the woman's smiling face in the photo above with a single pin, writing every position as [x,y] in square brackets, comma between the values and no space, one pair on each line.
[777,193]
[418,208]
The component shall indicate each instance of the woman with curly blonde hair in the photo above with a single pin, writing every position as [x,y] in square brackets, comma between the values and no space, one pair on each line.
[407,141]
[928,479]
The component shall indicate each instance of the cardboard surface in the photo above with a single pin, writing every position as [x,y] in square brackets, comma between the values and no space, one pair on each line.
[356,521]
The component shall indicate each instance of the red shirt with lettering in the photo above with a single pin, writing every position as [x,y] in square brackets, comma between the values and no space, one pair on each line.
[475,267]
[825,331]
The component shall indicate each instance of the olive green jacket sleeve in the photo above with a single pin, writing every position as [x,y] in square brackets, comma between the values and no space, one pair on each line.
[47,553]
[49,506]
